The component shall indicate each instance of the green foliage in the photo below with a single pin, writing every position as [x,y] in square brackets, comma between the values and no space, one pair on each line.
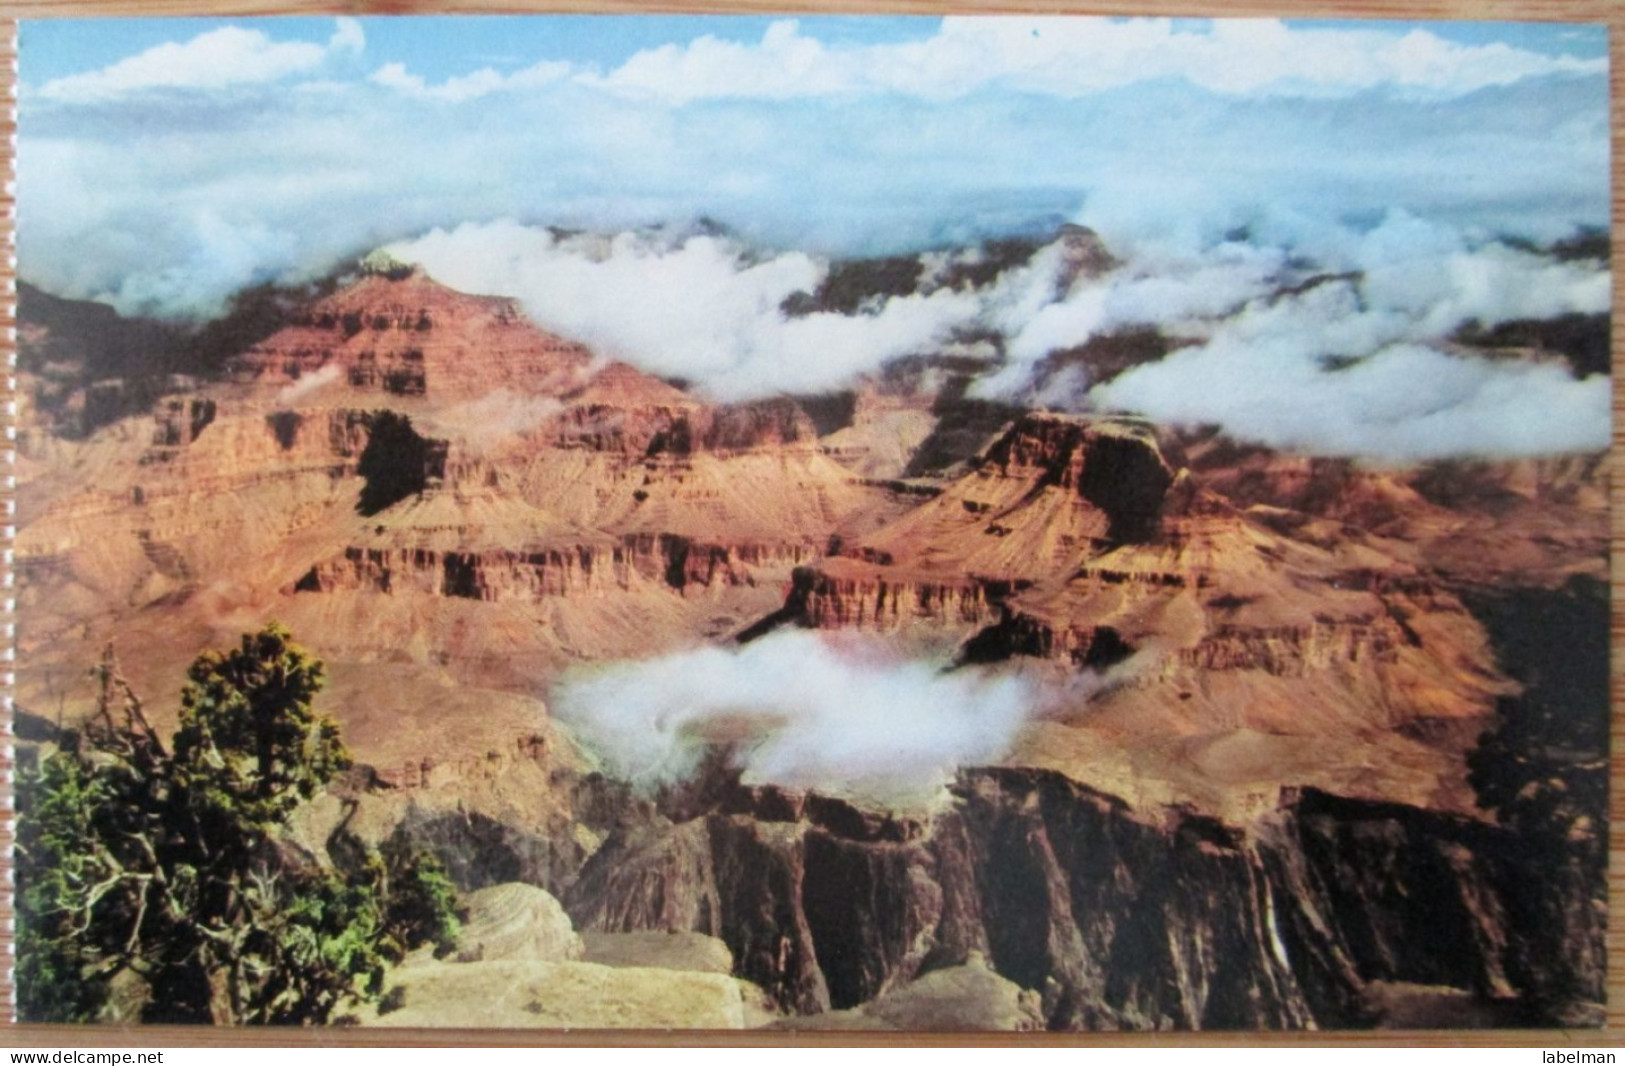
[249,743]
[169,864]
[423,905]
[58,869]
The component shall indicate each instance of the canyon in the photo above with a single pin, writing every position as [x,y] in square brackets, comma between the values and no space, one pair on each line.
[1280,769]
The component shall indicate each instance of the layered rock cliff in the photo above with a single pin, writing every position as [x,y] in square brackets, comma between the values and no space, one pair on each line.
[1117,919]
[452,507]
[527,575]
[849,593]
[410,336]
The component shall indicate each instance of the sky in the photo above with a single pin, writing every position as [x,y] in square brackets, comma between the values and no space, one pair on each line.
[165,164]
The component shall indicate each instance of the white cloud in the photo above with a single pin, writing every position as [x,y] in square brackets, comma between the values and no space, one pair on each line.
[696,307]
[1072,57]
[1270,375]
[221,255]
[783,66]
[214,60]
[1157,291]
[348,36]
[1341,355]
[1433,275]
[854,721]
[469,86]
[296,392]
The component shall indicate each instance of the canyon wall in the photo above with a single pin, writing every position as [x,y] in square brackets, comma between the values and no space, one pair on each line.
[1117,918]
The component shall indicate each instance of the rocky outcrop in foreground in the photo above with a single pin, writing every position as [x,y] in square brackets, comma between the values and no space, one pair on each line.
[519,964]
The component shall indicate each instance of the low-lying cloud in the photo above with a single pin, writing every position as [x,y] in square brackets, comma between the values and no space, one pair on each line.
[699,307]
[1346,352]
[799,709]
[1346,355]
[1403,403]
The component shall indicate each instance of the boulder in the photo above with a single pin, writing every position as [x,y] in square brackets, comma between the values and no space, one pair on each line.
[516,922]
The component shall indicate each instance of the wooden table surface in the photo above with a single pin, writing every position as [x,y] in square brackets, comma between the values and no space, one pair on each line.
[1609,12]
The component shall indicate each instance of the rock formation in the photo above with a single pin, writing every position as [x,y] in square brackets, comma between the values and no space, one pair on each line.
[1292,764]
[414,337]
[1115,918]
[1076,541]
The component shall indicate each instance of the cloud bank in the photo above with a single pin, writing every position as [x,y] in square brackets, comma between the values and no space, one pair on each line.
[698,307]
[1342,357]
[850,721]
[166,180]
[1224,162]
[1401,403]
[1350,355]
[1072,57]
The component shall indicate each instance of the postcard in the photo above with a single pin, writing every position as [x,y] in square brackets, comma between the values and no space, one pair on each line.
[856,523]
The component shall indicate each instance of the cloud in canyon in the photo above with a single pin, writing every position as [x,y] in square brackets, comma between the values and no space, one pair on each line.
[1351,361]
[697,307]
[803,710]
[1342,357]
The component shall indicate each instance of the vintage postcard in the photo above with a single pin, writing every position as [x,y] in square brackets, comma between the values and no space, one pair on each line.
[850,523]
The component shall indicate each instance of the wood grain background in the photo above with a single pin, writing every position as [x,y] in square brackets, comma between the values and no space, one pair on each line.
[1609,12]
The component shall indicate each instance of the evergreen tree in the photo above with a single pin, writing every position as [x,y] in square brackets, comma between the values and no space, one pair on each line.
[166,862]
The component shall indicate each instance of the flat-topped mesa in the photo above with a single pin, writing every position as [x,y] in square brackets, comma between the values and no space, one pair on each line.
[408,335]
[1115,464]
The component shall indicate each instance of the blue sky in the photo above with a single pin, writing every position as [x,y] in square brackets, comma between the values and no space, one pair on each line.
[441,47]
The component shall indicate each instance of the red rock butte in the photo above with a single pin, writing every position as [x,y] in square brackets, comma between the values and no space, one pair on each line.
[413,336]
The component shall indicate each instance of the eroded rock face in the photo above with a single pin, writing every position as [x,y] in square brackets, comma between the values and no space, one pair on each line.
[843,593]
[626,411]
[1115,465]
[501,574]
[410,336]
[1111,918]
[1075,541]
